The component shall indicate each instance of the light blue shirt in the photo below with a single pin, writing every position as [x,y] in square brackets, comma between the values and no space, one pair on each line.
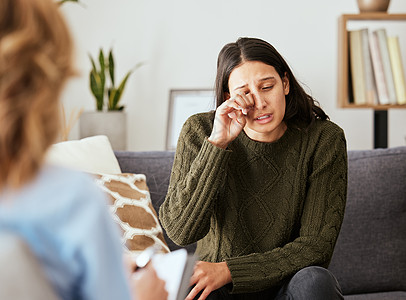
[63,216]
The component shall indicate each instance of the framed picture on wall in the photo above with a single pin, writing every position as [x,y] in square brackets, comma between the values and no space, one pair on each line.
[183,104]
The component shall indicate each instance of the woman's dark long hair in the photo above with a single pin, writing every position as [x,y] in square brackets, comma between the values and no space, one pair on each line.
[301,108]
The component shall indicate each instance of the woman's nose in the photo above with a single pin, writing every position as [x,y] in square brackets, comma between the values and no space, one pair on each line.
[259,101]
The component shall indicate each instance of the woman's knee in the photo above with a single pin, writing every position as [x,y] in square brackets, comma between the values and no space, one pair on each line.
[313,283]
[316,276]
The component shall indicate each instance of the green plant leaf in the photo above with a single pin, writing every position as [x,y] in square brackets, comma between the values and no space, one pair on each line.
[140,64]
[93,64]
[124,81]
[102,61]
[98,81]
[111,67]
[112,98]
[116,94]
[97,89]
[102,72]
[103,80]
[109,93]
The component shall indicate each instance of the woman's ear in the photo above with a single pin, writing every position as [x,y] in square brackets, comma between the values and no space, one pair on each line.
[285,81]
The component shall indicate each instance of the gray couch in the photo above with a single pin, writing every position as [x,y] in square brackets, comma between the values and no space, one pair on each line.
[369,260]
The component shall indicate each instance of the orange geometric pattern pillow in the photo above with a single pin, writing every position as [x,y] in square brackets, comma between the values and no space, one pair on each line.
[132,210]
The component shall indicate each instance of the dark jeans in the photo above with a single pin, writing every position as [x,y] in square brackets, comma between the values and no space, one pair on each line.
[312,283]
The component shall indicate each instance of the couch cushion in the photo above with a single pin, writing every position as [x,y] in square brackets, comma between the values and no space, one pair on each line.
[157,166]
[93,154]
[378,296]
[370,251]
[133,211]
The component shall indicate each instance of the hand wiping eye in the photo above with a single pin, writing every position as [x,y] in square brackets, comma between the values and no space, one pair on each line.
[244,110]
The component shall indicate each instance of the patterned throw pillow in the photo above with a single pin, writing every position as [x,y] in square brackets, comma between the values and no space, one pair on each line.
[132,209]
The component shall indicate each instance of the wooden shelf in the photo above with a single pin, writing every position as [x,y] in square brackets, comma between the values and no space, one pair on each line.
[343,67]
[374,107]
[375,16]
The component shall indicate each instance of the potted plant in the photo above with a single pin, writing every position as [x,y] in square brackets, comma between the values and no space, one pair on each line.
[109,118]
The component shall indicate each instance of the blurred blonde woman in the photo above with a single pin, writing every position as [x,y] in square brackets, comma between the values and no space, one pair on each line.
[60,214]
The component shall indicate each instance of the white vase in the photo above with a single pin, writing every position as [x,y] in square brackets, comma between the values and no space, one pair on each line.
[113,124]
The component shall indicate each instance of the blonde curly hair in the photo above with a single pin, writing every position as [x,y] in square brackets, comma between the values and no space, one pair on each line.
[35,62]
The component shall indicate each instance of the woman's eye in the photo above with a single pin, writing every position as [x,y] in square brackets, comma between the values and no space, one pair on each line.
[244,92]
[267,87]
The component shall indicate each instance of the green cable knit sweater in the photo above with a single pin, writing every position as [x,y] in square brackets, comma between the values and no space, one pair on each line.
[267,209]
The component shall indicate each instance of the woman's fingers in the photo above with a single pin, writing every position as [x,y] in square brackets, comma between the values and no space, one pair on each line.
[249,100]
[145,284]
[240,102]
[208,277]
[245,101]
[206,292]
[196,290]
[193,293]
[129,263]
[236,114]
[194,279]
[232,115]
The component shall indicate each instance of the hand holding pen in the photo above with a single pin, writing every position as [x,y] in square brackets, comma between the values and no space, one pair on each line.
[144,281]
[145,257]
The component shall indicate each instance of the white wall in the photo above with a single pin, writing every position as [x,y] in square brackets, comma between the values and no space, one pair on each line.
[179,41]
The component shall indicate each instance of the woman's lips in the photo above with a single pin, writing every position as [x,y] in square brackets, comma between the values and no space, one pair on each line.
[263,119]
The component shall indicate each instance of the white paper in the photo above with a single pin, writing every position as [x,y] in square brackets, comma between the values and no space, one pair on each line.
[170,267]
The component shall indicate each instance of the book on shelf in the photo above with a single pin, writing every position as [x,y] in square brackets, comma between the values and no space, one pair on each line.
[357,67]
[362,72]
[380,81]
[370,89]
[382,39]
[397,69]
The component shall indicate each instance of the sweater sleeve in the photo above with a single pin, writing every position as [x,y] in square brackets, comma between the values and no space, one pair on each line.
[320,223]
[197,175]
